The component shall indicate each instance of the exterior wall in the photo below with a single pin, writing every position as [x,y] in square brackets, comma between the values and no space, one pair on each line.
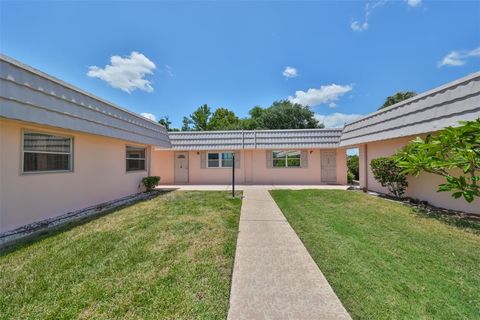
[423,187]
[98,175]
[362,165]
[263,175]
[163,166]
[342,166]
[253,169]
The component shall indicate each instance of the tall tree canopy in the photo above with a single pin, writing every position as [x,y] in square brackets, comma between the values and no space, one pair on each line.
[224,119]
[397,97]
[200,117]
[280,115]
[165,121]
[284,114]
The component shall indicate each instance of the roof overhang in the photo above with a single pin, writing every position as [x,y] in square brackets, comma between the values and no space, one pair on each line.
[30,95]
[427,112]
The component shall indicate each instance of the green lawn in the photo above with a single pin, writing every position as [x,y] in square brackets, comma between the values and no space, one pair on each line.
[170,257]
[385,261]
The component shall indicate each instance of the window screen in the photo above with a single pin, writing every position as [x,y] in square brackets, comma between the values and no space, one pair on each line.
[135,158]
[46,152]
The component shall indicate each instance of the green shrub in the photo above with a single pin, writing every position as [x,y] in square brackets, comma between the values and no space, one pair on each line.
[389,175]
[350,177]
[150,182]
[353,166]
[441,153]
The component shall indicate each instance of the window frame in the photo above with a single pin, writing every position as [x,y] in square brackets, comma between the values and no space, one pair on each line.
[286,158]
[220,164]
[144,159]
[23,151]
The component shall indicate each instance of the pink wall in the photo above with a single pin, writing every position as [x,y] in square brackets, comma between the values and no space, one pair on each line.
[253,169]
[423,187]
[163,166]
[99,175]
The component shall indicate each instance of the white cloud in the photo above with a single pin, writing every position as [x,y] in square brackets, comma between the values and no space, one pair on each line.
[458,58]
[332,105]
[169,70]
[149,116]
[324,94]
[290,72]
[368,10]
[370,7]
[357,26]
[336,120]
[414,3]
[126,73]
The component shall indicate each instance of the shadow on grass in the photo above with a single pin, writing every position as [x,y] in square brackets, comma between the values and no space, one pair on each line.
[453,220]
[66,226]
[466,221]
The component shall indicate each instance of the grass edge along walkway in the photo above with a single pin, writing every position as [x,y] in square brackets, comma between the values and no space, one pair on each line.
[169,257]
[383,260]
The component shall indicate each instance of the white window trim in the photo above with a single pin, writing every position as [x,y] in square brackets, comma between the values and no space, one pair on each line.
[144,159]
[286,159]
[22,152]
[220,166]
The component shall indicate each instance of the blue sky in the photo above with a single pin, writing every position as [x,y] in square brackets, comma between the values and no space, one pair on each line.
[344,58]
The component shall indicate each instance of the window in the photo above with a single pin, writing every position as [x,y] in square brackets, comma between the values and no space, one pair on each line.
[220,160]
[45,152]
[135,159]
[286,159]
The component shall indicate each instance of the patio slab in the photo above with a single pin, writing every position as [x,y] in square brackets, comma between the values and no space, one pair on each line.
[274,277]
[225,187]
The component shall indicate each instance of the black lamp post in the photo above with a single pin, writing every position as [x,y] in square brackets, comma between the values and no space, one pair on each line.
[233,176]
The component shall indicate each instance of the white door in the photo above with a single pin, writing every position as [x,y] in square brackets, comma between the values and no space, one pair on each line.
[181,167]
[328,163]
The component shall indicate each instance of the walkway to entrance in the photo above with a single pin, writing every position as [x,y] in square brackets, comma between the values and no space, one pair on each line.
[274,277]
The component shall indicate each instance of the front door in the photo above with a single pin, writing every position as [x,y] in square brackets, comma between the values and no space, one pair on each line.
[181,167]
[328,162]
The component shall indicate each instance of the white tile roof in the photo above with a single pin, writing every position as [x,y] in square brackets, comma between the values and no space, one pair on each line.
[427,112]
[30,95]
[255,139]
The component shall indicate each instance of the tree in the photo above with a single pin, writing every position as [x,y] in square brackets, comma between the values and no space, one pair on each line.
[165,121]
[453,153]
[223,119]
[186,122]
[353,166]
[200,117]
[386,171]
[280,115]
[284,114]
[397,97]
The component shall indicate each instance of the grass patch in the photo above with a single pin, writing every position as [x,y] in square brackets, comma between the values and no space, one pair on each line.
[170,257]
[383,259]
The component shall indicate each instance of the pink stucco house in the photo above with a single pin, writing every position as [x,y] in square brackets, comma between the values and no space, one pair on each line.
[63,149]
[385,131]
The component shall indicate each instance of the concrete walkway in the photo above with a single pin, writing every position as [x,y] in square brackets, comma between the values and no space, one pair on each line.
[227,187]
[274,277]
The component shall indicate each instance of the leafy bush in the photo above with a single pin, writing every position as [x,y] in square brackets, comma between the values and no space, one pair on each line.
[150,182]
[353,166]
[386,171]
[350,177]
[451,148]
